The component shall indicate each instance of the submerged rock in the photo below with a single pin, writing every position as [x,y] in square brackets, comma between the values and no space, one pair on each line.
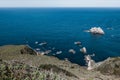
[43,43]
[36,42]
[58,52]
[72,51]
[37,49]
[77,43]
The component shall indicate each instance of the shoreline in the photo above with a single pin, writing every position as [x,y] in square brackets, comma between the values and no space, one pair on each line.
[13,53]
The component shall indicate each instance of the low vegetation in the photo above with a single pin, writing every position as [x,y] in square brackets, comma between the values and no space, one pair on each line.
[20,62]
[56,69]
[19,71]
[110,66]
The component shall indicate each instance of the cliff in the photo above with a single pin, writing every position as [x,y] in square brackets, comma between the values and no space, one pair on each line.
[110,66]
[21,62]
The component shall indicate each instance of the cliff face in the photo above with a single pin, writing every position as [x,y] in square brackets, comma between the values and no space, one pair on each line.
[27,50]
[21,62]
[21,59]
[110,66]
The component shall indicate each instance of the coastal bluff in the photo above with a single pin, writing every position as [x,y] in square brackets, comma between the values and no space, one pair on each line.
[18,56]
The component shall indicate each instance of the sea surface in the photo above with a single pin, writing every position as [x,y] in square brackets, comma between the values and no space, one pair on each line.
[60,28]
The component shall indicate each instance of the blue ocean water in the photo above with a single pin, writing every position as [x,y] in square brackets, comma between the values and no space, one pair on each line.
[60,28]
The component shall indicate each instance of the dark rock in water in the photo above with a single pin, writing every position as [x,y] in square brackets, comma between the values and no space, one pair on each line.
[27,50]
[110,66]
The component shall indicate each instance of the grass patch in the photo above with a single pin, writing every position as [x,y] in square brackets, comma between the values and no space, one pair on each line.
[56,69]
[16,70]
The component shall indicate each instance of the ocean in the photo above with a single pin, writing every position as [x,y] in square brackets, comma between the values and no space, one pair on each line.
[60,28]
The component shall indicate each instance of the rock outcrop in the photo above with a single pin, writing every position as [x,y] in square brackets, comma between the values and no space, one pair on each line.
[110,66]
[96,30]
[27,50]
[16,49]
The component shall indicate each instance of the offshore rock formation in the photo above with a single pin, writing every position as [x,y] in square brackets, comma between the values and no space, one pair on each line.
[96,30]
